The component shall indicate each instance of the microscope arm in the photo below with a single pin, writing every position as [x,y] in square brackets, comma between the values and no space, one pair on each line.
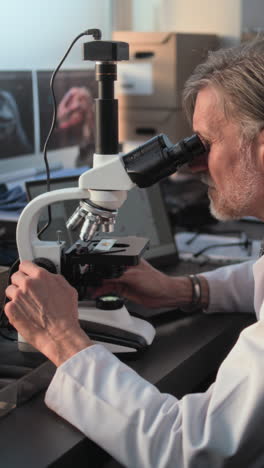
[28,243]
[105,185]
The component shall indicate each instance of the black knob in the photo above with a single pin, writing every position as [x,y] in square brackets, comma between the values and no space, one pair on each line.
[109,302]
[45,263]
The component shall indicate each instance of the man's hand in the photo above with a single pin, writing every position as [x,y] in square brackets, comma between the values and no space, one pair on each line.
[147,286]
[43,308]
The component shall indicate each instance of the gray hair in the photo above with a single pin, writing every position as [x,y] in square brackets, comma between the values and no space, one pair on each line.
[237,74]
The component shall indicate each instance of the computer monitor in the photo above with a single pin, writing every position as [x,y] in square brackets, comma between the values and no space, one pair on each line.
[143,214]
[16,114]
[75,91]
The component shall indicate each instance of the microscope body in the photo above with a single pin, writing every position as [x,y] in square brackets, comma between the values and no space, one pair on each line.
[102,191]
[108,184]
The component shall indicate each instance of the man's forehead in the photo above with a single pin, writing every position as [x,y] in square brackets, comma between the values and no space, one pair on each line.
[208,112]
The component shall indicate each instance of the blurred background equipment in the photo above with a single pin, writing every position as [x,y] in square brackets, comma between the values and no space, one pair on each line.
[16,114]
[75,91]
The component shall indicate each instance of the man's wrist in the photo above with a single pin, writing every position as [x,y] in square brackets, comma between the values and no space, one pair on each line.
[61,349]
[182,294]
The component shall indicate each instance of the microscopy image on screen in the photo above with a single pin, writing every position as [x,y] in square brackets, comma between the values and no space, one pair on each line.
[75,91]
[16,114]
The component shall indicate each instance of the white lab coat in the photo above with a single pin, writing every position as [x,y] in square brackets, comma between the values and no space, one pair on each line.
[141,427]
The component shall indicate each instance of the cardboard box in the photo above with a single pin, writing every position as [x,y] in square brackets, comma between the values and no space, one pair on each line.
[165,61]
[149,86]
[139,125]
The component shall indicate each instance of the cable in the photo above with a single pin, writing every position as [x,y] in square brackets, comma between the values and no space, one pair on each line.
[96,33]
[228,244]
[244,242]
[208,230]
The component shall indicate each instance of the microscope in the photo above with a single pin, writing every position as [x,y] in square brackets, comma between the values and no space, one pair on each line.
[102,190]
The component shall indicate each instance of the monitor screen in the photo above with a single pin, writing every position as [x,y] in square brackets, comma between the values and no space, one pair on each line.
[16,114]
[143,214]
[75,91]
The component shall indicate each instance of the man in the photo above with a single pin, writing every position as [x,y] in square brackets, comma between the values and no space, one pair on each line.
[223,426]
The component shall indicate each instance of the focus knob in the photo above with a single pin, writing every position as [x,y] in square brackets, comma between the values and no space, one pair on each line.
[46,264]
[109,302]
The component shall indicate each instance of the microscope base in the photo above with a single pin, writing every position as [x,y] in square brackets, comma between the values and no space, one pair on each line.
[116,329]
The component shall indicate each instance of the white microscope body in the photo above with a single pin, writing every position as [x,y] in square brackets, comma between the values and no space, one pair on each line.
[102,191]
[105,185]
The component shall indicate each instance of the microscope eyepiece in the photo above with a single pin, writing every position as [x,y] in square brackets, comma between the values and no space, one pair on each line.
[194,145]
[159,158]
[185,151]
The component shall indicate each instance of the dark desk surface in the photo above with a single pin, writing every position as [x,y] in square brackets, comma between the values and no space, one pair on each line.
[185,353]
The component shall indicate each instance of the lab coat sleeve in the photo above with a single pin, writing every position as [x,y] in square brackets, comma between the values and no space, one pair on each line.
[231,288]
[143,428]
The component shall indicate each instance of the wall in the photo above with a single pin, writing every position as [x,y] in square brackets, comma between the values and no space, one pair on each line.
[253,14]
[203,16]
[146,15]
[227,18]
[36,33]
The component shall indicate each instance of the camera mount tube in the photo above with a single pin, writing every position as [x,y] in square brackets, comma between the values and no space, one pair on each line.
[106,109]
